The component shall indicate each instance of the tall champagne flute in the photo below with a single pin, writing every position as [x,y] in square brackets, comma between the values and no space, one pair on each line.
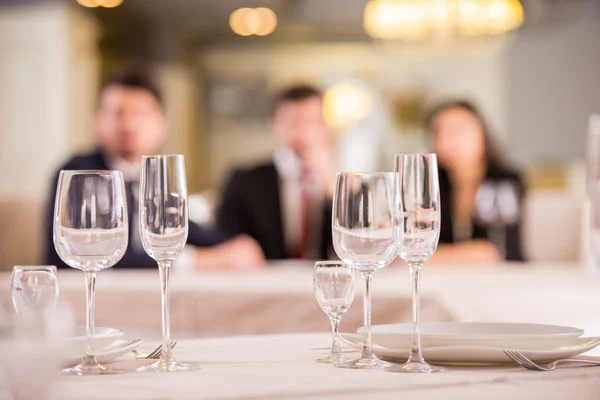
[90,234]
[417,207]
[363,237]
[164,231]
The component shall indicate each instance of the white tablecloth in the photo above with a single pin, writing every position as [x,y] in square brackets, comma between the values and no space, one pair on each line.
[280,298]
[282,367]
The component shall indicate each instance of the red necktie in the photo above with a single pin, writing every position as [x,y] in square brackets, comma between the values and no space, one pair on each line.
[306,219]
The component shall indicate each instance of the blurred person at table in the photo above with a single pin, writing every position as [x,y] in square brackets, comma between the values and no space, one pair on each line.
[469,163]
[285,203]
[129,123]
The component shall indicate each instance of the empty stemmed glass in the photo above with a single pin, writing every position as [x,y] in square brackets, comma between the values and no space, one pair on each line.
[34,289]
[417,207]
[496,208]
[333,282]
[164,230]
[363,237]
[90,234]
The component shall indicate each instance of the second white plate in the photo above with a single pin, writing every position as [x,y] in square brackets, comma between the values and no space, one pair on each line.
[488,334]
[112,352]
[73,347]
[475,355]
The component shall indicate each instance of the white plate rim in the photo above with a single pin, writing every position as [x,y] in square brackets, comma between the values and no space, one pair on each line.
[111,333]
[573,331]
[107,354]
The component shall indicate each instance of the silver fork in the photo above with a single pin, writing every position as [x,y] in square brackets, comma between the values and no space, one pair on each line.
[154,355]
[527,363]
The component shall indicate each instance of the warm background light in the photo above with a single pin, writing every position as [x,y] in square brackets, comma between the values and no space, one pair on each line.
[345,104]
[88,3]
[268,21]
[253,21]
[417,19]
[109,3]
[237,21]
[100,3]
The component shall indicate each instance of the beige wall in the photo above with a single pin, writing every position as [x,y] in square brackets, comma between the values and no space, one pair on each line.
[180,86]
[49,79]
[48,76]
[473,70]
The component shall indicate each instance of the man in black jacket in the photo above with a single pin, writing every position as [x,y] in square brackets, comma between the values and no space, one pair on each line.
[285,204]
[130,123]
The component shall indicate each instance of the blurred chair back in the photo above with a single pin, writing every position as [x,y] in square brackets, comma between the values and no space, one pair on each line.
[552,226]
[22,222]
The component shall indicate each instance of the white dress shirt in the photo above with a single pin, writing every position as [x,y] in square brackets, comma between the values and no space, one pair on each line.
[289,169]
[131,174]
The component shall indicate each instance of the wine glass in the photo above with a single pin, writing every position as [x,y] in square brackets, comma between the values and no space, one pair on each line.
[90,234]
[34,289]
[417,206]
[164,231]
[333,282]
[363,237]
[496,208]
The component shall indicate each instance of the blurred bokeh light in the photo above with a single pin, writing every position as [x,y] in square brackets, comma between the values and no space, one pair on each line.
[418,19]
[345,103]
[100,3]
[253,21]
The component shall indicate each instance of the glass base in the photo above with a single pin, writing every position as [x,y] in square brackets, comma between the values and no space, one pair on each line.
[169,366]
[97,369]
[415,368]
[364,362]
[333,359]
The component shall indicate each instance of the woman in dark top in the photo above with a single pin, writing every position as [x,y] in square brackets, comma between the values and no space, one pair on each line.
[481,197]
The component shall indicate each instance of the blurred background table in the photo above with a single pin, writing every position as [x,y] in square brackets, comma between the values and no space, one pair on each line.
[279,299]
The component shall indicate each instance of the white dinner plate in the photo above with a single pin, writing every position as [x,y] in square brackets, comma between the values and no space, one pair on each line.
[488,334]
[114,351]
[475,355]
[74,347]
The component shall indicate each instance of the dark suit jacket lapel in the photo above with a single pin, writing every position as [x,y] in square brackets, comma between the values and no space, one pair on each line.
[99,160]
[326,240]
[271,212]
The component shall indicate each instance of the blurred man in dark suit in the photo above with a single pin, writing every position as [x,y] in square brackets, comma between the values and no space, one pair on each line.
[285,204]
[130,123]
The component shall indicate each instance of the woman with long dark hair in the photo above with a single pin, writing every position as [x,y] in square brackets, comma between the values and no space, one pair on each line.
[481,196]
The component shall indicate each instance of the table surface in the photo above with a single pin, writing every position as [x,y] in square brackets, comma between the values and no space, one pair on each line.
[280,299]
[273,367]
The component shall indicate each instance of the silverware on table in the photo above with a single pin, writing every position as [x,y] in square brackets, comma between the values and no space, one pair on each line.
[154,355]
[527,363]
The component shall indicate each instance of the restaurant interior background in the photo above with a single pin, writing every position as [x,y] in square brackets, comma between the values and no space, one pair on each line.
[537,85]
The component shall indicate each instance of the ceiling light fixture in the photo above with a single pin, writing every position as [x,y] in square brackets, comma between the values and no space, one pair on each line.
[88,3]
[253,21]
[419,19]
[110,3]
[100,3]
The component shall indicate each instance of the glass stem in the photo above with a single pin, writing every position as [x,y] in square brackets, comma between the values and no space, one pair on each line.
[335,329]
[166,355]
[415,354]
[367,351]
[498,237]
[89,360]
